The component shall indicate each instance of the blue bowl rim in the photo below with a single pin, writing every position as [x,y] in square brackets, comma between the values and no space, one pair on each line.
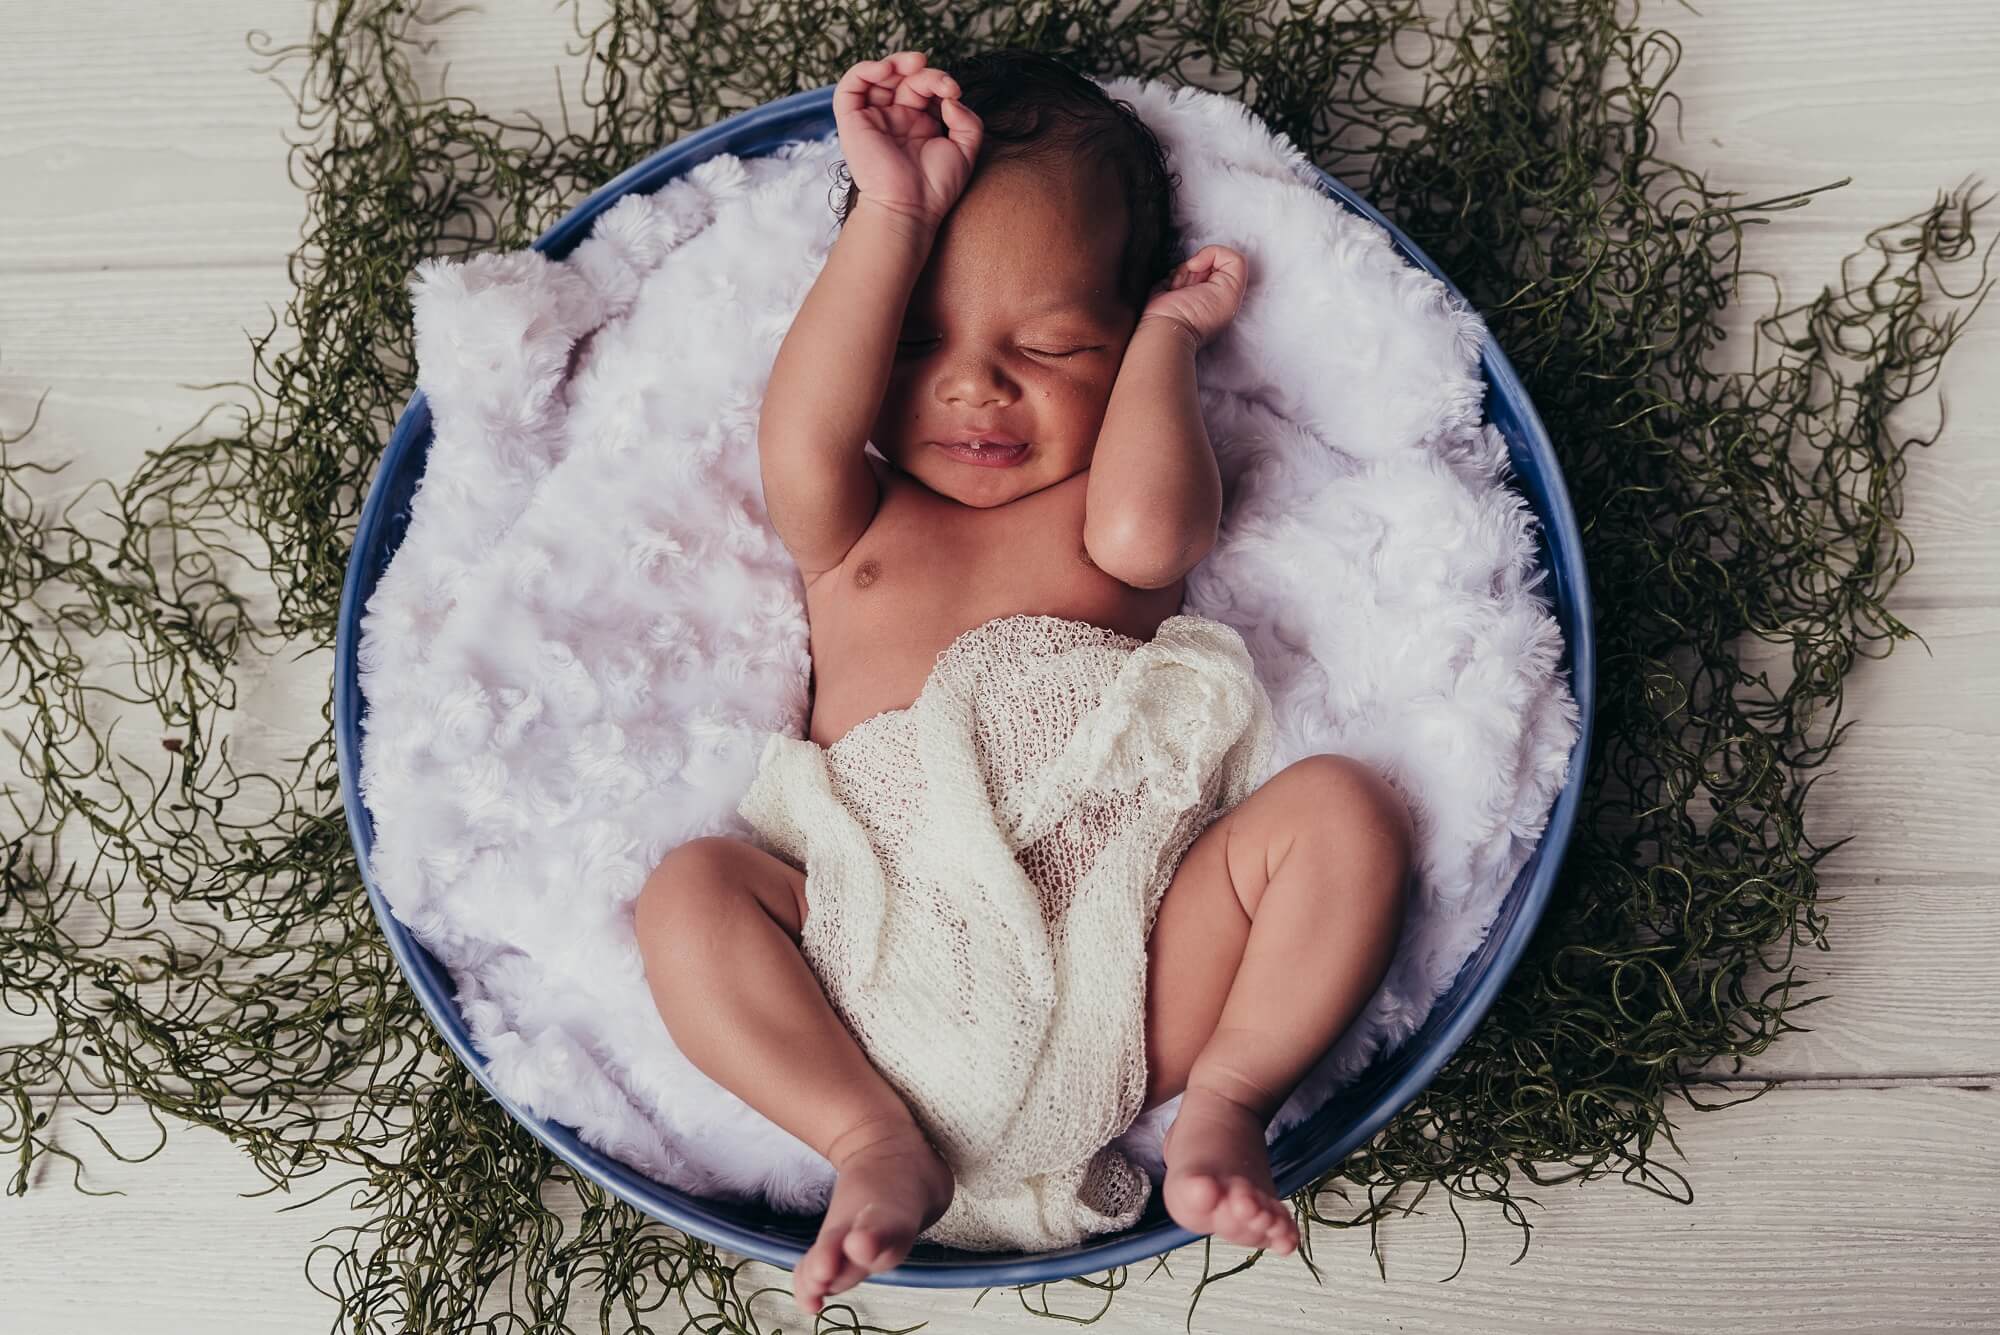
[1453,1016]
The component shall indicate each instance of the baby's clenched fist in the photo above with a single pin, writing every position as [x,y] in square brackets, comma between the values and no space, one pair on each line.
[899,153]
[1203,293]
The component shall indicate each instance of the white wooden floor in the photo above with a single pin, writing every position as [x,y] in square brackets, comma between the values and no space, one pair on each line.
[145,217]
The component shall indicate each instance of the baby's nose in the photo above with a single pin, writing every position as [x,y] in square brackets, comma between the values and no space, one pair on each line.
[975,384]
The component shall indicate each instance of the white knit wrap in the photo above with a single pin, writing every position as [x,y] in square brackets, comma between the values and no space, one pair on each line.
[983,869]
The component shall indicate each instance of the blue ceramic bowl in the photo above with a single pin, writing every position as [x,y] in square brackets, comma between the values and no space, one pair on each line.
[1298,1157]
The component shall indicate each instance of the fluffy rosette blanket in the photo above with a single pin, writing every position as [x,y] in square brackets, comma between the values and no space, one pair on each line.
[570,659]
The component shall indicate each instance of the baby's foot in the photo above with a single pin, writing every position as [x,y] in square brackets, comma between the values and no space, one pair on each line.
[891,1185]
[1219,1175]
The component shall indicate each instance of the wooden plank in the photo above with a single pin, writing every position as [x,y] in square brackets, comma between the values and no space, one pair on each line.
[1912,981]
[1777,93]
[1910,774]
[167,146]
[1814,1210]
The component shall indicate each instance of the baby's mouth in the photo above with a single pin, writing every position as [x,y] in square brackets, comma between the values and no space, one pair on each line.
[987,451]
[981,435]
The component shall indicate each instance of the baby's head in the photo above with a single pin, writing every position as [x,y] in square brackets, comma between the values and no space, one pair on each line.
[1020,319]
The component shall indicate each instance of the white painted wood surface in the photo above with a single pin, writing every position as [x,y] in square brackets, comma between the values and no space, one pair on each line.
[145,217]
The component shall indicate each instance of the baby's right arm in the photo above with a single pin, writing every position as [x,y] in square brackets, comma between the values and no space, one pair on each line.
[833,367]
[827,386]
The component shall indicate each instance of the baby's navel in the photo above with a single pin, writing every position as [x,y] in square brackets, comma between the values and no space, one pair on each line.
[866,573]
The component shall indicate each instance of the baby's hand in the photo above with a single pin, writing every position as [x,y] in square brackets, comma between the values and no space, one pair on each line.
[1202,294]
[898,154]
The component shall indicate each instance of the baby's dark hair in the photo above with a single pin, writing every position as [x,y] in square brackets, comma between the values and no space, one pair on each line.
[1036,108]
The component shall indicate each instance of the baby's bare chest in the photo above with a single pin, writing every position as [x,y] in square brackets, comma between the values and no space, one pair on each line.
[926,570]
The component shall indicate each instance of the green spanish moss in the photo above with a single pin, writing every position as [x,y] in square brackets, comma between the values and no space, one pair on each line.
[194,933]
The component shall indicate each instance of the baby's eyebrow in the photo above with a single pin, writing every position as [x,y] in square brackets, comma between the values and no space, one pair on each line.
[1066,313]
[1088,305]
[1088,314]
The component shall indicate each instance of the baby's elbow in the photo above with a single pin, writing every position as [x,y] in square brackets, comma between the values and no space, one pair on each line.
[1149,559]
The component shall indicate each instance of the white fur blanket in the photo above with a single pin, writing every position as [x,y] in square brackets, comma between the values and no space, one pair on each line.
[570,658]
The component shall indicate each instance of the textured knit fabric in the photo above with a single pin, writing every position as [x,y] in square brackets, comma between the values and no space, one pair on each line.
[983,868]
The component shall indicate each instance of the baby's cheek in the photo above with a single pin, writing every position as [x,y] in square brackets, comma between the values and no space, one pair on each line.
[1087,400]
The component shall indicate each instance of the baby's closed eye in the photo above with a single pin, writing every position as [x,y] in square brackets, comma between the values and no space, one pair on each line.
[915,344]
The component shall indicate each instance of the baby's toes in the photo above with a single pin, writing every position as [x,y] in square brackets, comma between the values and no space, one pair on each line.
[1235,1214]
[824,1270]
[812,1271]
[808,1288]
[1263,1220]
[1254,1208]
[1193,1200]
[876,1247]
[1282,1236]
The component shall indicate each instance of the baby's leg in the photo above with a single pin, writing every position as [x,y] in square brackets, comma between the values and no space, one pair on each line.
[718,926]
[1275,931]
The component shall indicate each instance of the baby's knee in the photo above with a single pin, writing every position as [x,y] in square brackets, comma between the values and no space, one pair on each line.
[1349,802]
[705,879]
[688,873]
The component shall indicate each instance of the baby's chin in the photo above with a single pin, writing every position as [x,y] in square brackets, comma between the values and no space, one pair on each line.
[983,488]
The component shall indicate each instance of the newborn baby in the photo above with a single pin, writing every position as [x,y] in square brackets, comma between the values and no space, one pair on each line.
[1006,704]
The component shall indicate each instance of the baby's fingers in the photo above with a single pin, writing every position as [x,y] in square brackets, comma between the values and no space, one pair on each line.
[1222,263]
[851,93]
[874,83]
[1218,265]
[962,125]
[918,90]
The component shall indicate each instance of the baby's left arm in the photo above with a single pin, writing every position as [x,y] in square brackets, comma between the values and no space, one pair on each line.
[1154,496]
